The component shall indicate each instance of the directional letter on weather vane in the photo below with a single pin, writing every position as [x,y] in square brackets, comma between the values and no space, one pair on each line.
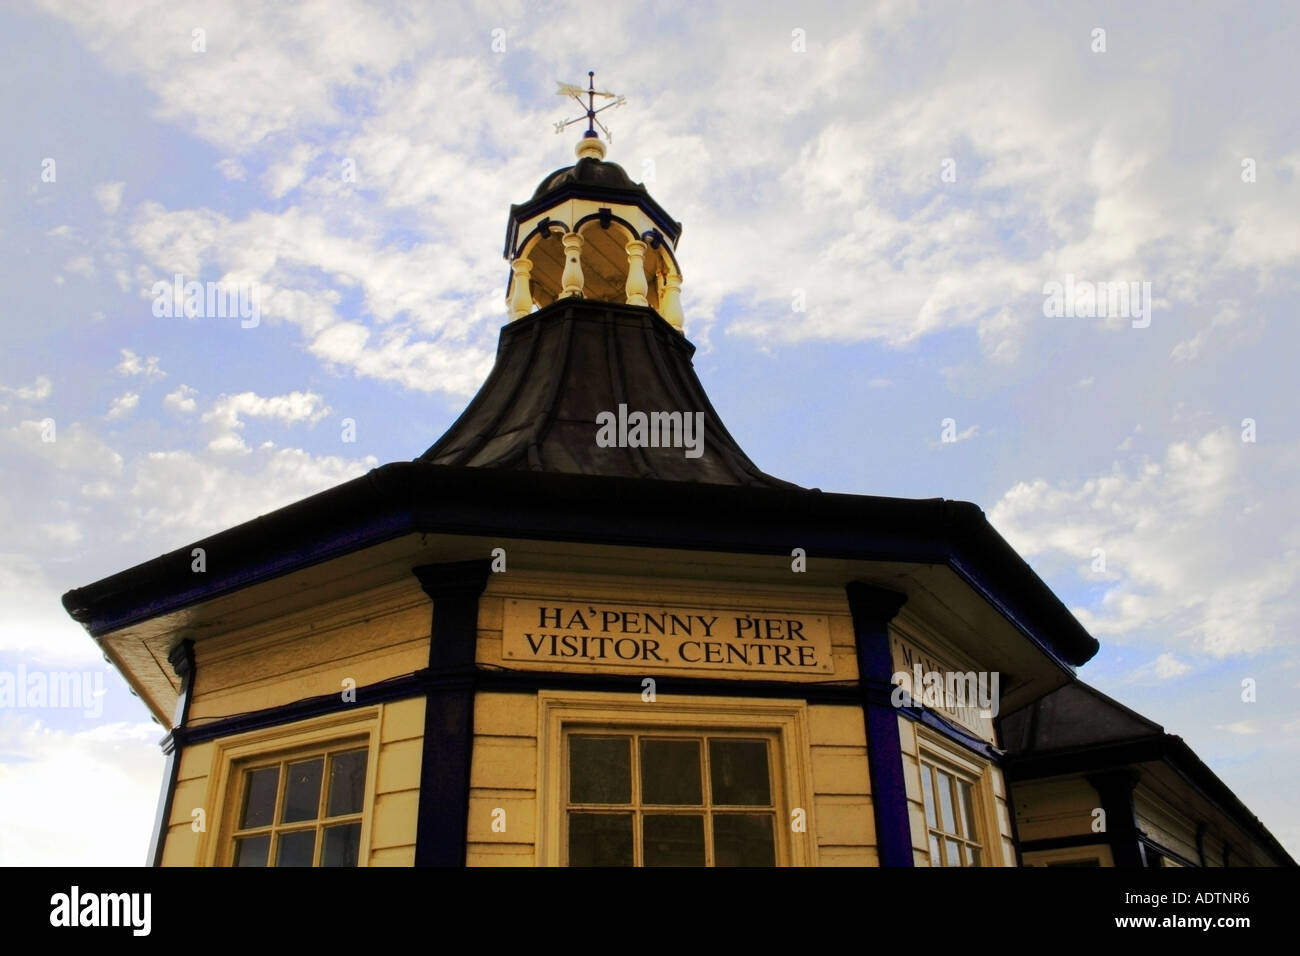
[577,92]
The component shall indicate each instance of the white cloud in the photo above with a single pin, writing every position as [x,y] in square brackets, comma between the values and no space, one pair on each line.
[109,196]
[1199,547]
[231,168]
[1165,667]
[181,400]
[38,391]
[46,817]
[1240,727]
[122,405]
[132,365]
[180,496]
[74,449]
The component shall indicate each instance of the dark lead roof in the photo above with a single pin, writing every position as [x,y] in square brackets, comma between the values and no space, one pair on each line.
[562,366]
[589,171]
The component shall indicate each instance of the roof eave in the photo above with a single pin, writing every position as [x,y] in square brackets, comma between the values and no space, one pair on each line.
[412,497]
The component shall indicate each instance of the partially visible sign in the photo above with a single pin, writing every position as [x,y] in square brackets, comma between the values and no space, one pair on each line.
[641,636]
[969,698]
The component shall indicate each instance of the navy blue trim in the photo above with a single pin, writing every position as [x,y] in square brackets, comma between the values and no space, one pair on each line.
[181,659]
[422,682]
[953,732]
[872,609]
[442,826]
[642,200]
[410,497]
[977,584]
[1115,791]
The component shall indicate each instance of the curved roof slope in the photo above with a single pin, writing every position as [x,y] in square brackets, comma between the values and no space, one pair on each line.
[559,368]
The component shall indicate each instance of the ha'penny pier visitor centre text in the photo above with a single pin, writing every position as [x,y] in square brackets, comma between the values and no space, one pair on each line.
[584,628]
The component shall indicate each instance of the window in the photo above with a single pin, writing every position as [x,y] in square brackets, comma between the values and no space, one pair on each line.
[684,781]
[950,815]
[303,810]
[649,799]
[298,795]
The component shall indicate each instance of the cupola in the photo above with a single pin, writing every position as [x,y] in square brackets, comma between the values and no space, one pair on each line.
[590,232]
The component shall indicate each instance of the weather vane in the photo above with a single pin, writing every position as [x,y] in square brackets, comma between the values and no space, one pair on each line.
[577,92]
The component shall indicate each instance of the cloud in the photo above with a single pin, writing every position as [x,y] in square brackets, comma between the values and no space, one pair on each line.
[232,169]
[181,400]
[122,405]
[290,409]
[109,196]
[38,391]
[1165,667]
[1199,547]
[1241,727]
[131,365]
[180,496]
[46,818]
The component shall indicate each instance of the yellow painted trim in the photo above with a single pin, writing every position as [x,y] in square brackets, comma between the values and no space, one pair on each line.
[227,753]
[937,750]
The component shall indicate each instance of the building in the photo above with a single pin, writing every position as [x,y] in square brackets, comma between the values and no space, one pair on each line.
[1076,757]
[584,628]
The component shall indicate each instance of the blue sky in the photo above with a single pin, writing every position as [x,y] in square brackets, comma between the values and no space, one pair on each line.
[804,149]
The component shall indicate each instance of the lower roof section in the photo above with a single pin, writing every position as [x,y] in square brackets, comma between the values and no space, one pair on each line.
[408,498]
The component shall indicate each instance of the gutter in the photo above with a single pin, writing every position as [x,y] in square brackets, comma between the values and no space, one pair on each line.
[419,497]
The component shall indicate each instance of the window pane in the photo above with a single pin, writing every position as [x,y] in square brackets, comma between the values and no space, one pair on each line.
[251,851]
[600,770]
[670,774]
[672,840]
[964,797]
[341,845]
[927,794]
[302,801]
[259,797]
[952,852]
[600,839]
[347,783]
[743,839]
[936,859]
[738,772]
[296,849]
[945,801]
[972,856]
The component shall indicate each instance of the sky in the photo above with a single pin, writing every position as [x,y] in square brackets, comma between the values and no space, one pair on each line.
[878,202]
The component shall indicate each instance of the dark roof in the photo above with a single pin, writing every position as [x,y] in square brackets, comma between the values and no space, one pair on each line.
[589,171]
[419,497]
[594,179]
[1074,715]
[1078,729]
[560,367]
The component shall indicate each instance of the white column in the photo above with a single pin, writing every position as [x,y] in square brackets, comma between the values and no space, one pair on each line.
[521,295]
[636,284]
[670,302]
[571,280]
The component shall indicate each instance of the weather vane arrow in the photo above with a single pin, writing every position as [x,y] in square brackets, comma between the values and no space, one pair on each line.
[577,93]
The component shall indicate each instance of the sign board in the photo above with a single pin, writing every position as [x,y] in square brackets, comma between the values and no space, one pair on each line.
[641,637]
[968,698]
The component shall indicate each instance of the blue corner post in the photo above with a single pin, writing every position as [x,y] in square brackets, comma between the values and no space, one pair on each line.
[872,609]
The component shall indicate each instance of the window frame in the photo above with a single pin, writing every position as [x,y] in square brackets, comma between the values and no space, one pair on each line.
[782,722]
[1073,854]
[232,756]
[935,752]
